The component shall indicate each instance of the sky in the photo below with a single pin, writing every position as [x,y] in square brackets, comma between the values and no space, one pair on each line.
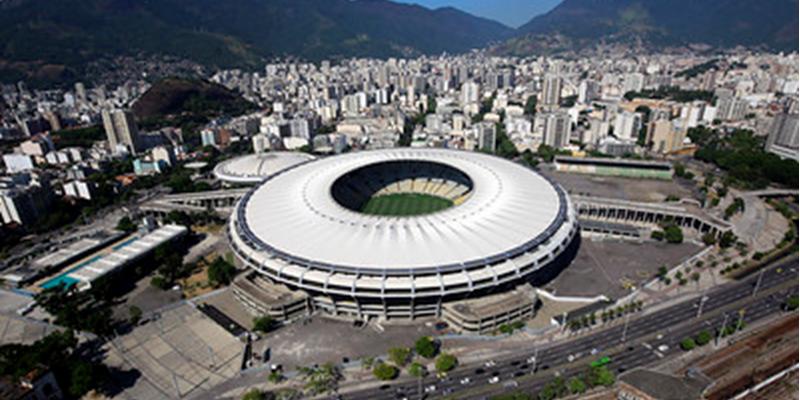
[510,12]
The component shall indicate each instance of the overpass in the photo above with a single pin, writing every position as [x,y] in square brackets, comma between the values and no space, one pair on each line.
[771,193]
[220,201]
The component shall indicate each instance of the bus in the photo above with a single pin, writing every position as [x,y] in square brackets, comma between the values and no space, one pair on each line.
[600,362]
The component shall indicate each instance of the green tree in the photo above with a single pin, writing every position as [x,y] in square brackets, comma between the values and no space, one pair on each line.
[673,234]
[399,356]
[426,347]
[792,303]
[384,372]
[446,362]
[263,324]
[367,362]
[703,338]
[688,344]
[321,379]
[254,394]
[601,376]
[126,225]
[135,314]
[221,272]
[727,239]
[275,377]
[417,370]
[576,385]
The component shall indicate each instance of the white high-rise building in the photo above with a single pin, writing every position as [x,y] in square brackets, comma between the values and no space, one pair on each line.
[557,130]
[551,91]
[487,135]
[588,90]
[783,136]
[121,130]
[627,125]
[470,93]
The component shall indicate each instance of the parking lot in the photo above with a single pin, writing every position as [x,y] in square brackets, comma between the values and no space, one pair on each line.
[322,339]
[611,267]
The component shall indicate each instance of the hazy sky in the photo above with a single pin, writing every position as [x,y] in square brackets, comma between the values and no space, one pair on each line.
[510,12]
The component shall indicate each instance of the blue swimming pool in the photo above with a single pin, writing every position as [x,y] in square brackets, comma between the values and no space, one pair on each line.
[66,280]
[125,243]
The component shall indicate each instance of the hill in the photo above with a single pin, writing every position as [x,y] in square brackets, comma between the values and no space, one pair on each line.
[55,39]
[174,96]
[770,24]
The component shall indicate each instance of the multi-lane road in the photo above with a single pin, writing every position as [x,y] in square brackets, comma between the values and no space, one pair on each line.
[642,338]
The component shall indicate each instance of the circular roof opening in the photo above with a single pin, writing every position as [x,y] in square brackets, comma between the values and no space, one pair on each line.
[402,188]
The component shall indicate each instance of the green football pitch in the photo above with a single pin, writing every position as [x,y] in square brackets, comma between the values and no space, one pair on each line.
[405,204]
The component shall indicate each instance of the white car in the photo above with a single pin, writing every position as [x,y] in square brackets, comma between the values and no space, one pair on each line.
[532,360]
[494,379]
[570,358]
[465,381]
[663,348]
[595,351]
[431,388]
[510,384]
[490,364]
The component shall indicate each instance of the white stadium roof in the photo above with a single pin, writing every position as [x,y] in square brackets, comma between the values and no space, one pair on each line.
[253,168]
[511,209]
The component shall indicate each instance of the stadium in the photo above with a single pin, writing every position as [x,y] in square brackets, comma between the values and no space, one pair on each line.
[401,233]
[253,168]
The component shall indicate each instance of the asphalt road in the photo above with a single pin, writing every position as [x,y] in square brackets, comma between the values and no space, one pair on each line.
[673,323]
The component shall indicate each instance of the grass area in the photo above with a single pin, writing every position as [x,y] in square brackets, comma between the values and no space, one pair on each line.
[405,204]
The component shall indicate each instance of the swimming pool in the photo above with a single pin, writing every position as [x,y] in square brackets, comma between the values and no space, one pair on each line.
[125,243]
[66,280]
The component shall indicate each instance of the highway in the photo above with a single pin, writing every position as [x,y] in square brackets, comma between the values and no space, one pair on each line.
[672,324]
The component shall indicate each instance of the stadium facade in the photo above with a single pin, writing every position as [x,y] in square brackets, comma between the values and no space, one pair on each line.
[305,227]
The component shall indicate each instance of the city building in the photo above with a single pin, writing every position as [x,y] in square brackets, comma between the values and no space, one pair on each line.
[121,130]
[627,126]
[782,139]
[551,91]
[23,201]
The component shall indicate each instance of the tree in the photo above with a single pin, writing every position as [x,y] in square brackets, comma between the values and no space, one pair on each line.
[367,362]
[417,370]
[263,324]
[792,303]
[321,379]
[703,338]
[426,347]
[399,355]
[688,344]
[727,239]
[657,235]
[254,394]
[126,225]
[673,234]
[275,377]
[446,362]
[221,272]
[135,314]
[601,376]
[576,385]
[506,329]
[709,239]
[384,372]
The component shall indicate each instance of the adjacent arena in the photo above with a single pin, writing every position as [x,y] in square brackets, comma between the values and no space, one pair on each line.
[254,168]
[448,225]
